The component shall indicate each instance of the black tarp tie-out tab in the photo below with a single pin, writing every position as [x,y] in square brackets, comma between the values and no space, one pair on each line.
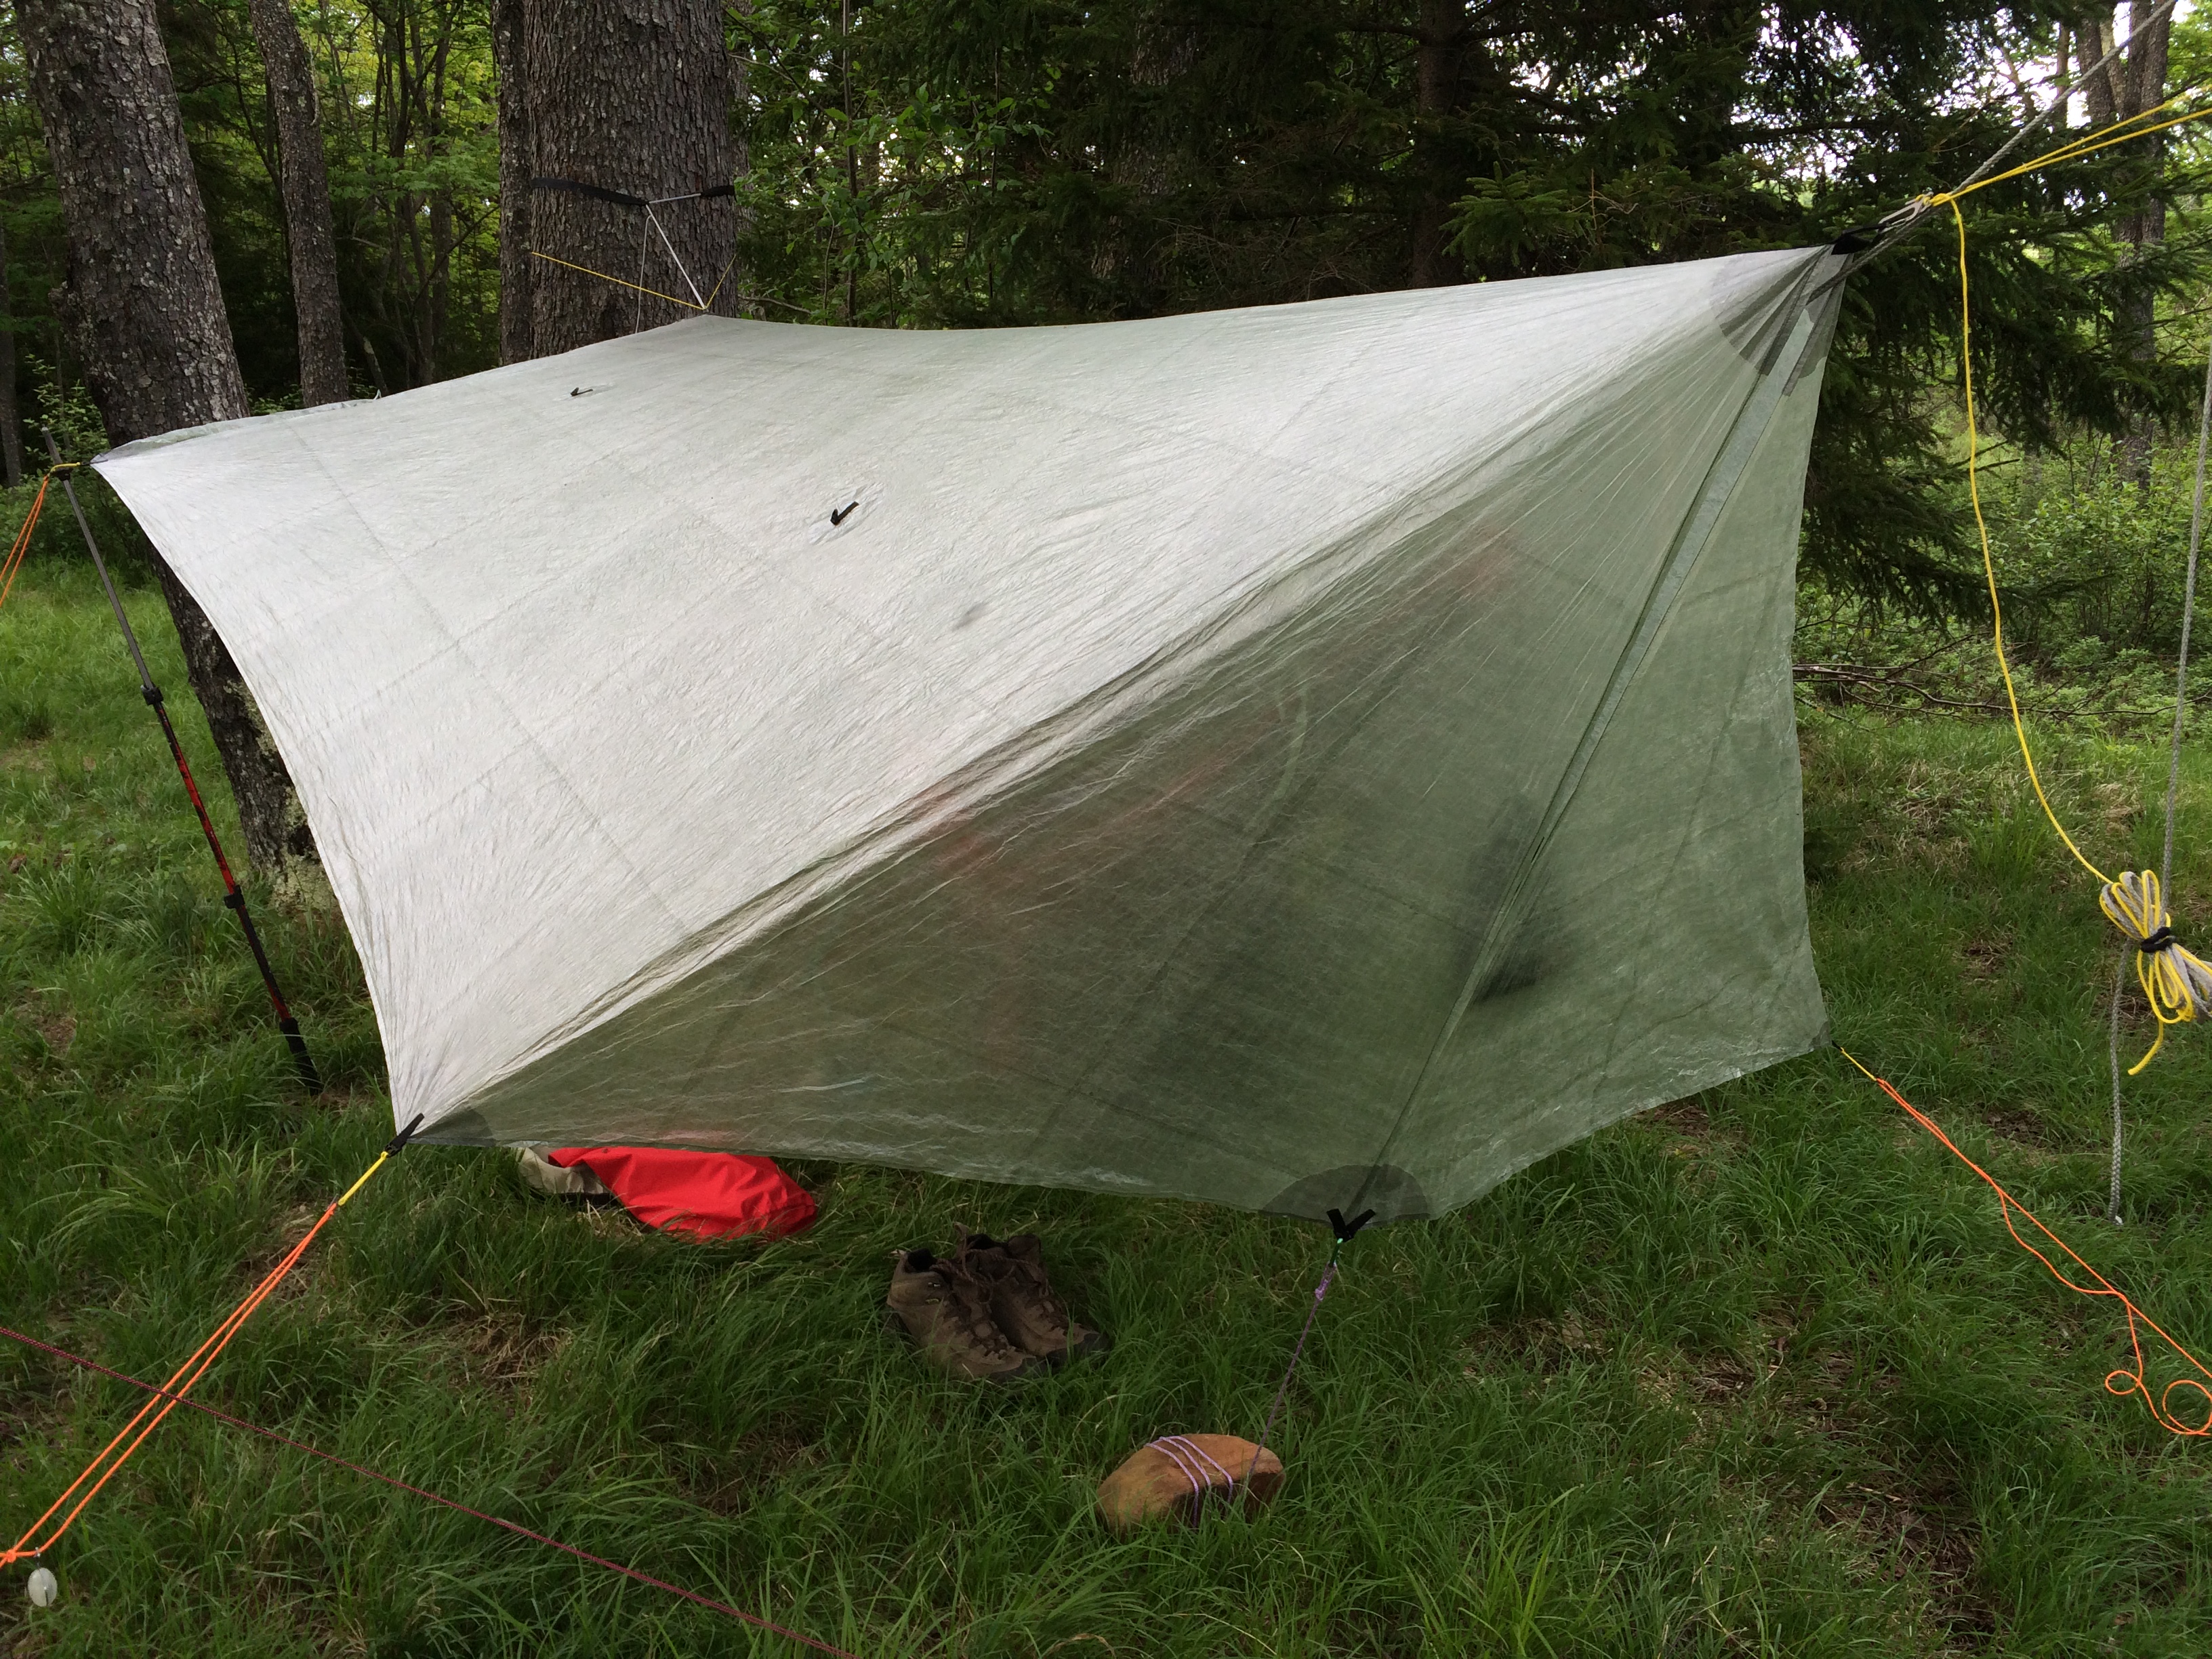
[302,1062]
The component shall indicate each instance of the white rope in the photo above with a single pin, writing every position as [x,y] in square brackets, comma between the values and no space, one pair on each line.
[2119,988]
[2172,967]
[2188,614]
[652,220]
[1907,218]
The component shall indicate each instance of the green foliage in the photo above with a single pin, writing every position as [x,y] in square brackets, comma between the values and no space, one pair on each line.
[412,147]
[2105,560]
[976,162]
[2092,569]
[964,163]
[1759,1372]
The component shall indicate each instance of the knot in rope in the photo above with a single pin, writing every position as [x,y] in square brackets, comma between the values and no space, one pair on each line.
[2176,981]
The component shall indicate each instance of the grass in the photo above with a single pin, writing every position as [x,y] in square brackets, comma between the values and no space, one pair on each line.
[1758,1373]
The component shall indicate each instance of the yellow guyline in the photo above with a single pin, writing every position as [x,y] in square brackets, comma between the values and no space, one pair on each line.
[2176,983]
[654,293]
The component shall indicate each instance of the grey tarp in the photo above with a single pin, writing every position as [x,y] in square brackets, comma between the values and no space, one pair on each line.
[1320,755]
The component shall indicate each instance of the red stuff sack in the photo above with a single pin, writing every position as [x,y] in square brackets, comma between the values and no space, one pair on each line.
[706,1194]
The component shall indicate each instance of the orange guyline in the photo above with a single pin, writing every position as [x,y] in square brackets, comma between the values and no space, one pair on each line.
[2121,1380]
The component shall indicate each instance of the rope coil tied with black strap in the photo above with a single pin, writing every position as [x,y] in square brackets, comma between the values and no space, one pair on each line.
[2177,982]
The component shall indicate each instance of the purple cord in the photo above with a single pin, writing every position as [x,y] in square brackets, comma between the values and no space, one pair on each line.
[1186,1454]
[1320,1291]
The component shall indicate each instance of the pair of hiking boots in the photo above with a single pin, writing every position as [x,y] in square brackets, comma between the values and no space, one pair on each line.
[986,1312]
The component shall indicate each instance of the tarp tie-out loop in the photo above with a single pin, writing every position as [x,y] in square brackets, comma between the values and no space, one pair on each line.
[754,1619]
[105,1464]
[1346,1230]
[233,898]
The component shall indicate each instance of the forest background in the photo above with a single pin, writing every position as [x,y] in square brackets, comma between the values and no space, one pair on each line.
[1756,1372]
[977,163]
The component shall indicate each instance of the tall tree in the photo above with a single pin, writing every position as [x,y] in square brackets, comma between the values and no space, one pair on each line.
[2142,89]
[306,194]
[11,430]
[517,167]
[1444,39]
[2101,87]
[632,96]
[140,304]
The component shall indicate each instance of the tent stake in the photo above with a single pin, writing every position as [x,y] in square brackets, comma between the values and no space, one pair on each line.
[231,896]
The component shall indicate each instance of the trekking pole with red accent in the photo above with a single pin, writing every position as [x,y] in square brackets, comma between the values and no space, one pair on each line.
[231,896]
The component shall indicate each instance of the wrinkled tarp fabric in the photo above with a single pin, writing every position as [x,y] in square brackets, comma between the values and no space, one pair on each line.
[1323,755]
[706,1194]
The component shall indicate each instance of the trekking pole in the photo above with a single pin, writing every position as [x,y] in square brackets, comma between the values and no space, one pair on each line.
[231,896]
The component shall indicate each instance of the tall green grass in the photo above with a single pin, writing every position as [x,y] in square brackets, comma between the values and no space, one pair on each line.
[1756,1374]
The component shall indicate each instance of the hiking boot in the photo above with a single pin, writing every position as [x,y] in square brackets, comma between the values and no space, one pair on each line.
[947,1313]
[543,1174]
[1021,1297]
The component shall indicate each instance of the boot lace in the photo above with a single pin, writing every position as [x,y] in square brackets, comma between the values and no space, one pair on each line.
[1039,1286]
[971,1298]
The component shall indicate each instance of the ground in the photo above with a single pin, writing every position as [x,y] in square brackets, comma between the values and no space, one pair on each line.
[1759,1372]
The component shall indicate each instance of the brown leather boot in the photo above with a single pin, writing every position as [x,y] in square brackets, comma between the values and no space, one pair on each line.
[947,1312]
[1022,1300]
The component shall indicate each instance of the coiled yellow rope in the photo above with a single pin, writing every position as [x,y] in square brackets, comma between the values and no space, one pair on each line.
[2178,983]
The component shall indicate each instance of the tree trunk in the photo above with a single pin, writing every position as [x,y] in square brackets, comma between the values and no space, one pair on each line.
[307,192]
[517,166]
[143,311]
[11,430]
[631,95]
[2143,87]
[2100,86]
[1439,65]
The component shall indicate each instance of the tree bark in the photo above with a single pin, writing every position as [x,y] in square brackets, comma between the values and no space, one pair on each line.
[632,95]
[11,430]
[2148,40]
[2100,86]
[145,315]
[517,166]
[307,193]
[2143,87]
[1438,68]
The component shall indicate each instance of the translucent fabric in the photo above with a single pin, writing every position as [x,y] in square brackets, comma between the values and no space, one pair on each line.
[1329,755]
